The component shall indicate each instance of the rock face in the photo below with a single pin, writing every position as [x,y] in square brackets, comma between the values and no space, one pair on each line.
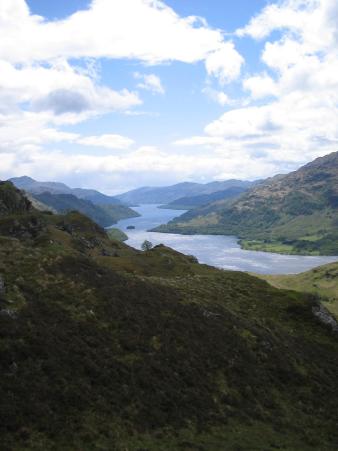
[325,317]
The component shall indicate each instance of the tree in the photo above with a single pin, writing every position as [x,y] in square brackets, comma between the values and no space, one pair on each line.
[146,245]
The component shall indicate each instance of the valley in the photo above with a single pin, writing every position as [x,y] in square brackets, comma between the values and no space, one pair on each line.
[220,251]
[295,213]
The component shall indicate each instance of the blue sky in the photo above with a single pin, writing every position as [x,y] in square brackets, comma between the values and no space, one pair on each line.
[118,94]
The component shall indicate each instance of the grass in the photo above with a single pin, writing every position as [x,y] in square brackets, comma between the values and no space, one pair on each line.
[263,246]
[117,234]
[321,281]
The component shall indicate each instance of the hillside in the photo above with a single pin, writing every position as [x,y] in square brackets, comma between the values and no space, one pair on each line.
[321,281]
[105,347]
[167,194]
[104,215]
[189,203]
[296,213]
[34,187]
[117,234]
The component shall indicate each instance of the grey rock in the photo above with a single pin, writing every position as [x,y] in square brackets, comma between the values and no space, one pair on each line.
[325,317]
[9,313]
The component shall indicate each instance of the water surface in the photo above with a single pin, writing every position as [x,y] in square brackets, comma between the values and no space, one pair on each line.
[220,251]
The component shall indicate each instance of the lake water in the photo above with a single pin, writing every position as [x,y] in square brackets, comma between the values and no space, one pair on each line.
[220,251]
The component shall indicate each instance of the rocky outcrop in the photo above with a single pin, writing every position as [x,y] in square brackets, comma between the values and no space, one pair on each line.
[325,317]
[12,201]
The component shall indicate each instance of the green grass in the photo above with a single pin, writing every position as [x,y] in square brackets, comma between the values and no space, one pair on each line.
[117,234]
[276,247]
[321,281]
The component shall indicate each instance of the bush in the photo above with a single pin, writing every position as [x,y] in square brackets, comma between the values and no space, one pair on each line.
[146,245]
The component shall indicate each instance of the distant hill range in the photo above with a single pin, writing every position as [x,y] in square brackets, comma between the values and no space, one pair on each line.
[34,187]
[191,202]
[293,213]
[167,194]
[59,198]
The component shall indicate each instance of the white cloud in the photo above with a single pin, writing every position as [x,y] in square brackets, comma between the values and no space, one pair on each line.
[149,82]
[108,141]
[225,63]
[219,97]
[59,88]
[288,117]
[42,89]
[120,172]
[200,141]
[260,86]
[145,30]
[296,118]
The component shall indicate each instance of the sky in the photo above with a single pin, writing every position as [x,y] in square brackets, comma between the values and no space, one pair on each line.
[117,94]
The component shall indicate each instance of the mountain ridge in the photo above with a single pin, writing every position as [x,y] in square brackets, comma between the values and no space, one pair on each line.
[292,213]
[167,194]
[35,187]
[189,203]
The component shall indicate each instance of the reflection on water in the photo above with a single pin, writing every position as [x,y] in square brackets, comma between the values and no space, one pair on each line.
[220,251]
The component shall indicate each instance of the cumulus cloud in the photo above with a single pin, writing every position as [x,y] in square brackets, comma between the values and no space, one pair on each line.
[60,88]
[42,89]
[149,82]
[121,171]
[145,30]
[291,115]
[219,97]
[286,114]
[225,63]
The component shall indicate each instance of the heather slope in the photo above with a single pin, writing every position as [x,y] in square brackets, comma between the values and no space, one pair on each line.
[105,347]
[321,281]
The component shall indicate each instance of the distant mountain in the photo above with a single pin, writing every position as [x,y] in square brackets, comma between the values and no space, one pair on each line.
[104,215]
[34,187]
[294,213]
[188,203]
[167,194]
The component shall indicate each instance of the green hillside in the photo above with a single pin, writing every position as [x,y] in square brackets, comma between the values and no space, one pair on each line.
[321,281]
[103,347]
[104,215]
[117,234]
[296,213]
